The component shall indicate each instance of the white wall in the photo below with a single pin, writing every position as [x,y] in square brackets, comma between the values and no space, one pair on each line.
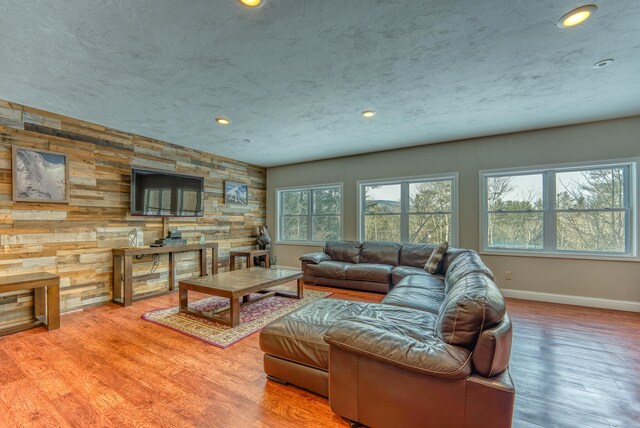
[614,139]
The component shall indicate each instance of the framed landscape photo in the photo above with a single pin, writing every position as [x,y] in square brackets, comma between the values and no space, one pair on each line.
[40,176]
[236,193]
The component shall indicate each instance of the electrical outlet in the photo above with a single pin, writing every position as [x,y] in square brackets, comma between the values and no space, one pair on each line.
[507,275]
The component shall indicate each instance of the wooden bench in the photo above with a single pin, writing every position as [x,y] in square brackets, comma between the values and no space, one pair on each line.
[46,308]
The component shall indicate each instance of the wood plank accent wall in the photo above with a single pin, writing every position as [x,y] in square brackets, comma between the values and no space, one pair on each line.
[75,240]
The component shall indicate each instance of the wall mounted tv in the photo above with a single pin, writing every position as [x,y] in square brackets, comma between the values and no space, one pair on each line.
[158,193]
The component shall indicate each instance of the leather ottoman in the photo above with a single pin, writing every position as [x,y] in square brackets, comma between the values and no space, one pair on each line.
[294,346]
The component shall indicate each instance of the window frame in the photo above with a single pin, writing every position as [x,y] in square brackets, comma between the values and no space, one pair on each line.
[309,215]
[550,211]
[405,212]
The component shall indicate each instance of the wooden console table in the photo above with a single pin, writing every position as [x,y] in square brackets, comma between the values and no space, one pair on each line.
[249,254]
[123,258]
[46,309]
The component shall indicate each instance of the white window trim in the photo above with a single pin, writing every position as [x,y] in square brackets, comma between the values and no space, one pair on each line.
[433,177]
[634,223]
[310,187]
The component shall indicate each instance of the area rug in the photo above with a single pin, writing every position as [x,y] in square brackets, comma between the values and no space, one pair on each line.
[252,317]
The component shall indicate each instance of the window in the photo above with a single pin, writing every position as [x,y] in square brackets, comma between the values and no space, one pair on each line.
[312,214]
[576,210]
[409,210]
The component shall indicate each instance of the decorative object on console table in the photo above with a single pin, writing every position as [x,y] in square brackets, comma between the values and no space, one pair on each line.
[263,242]
[136,237]
[273,262]
[174,237]
[46,309]
[123,259]
[236,193]
[251,255]
[39,176]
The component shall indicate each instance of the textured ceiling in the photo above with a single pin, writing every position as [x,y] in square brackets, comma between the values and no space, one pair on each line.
[294,75]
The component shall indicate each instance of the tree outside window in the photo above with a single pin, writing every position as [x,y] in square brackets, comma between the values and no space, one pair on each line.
[417,210]
[311,214]
[577,210]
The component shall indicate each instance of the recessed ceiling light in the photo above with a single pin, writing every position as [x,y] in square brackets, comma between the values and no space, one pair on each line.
[577,16]
[602,64]
[368,113]
[223,120]
[251,3]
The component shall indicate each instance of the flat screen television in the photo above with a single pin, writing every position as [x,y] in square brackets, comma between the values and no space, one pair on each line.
[158,193]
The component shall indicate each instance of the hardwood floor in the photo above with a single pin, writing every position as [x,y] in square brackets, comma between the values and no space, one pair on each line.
[573,367]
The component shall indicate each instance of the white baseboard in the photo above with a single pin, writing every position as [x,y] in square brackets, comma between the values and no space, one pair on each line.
[594,302]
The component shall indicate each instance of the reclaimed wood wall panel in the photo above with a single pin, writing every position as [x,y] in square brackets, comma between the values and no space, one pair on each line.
[75,240]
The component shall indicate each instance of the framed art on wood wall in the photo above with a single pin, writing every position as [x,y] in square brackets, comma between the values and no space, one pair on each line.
[39,175]
[236,193]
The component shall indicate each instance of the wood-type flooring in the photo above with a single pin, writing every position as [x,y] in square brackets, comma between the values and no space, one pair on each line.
[105,366]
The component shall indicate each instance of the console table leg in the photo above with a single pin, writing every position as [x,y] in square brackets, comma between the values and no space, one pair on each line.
[53,307]
[203,262]
[117,278]
[128,280]
[214,260]
[172,271]
[39,303]
[232,263]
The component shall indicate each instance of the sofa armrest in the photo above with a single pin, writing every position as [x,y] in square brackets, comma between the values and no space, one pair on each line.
[315,257]
[386,342]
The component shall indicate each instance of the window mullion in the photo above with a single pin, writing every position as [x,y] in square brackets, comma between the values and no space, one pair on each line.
[279,199]
[628,223]
[310,215]
[362,209]
[550,215]
[485,212]
[404,211]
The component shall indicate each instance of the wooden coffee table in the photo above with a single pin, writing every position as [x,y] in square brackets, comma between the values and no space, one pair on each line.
[239,284]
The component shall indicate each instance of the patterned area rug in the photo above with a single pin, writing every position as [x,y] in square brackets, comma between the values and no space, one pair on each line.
[252,317]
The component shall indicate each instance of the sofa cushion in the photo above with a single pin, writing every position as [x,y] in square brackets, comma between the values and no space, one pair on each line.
[343,251]
[493,350]
[436,258]
[369,272]
[470,306]
[315,257]
[399,272]
[450,256]
[401,337]
[298,336]
[328,269]
[465,264]
[415,255]
[421,292]
[386,253]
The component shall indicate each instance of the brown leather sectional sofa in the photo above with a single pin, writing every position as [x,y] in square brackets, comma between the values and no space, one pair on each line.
[369,265]
[434,353]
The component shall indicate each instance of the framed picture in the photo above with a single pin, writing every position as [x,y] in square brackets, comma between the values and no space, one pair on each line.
[236,193]
[40,176]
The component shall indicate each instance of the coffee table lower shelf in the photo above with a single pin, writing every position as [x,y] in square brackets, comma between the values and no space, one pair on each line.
[237,286]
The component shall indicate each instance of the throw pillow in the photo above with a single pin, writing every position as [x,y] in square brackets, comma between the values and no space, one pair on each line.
[436,257]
